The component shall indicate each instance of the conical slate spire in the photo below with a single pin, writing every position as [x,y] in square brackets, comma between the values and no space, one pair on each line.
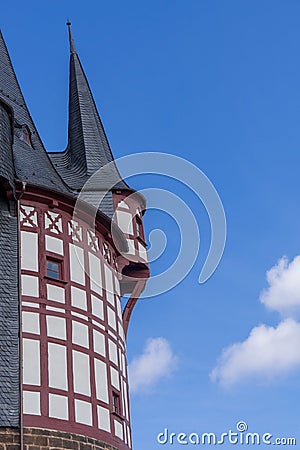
[38,169]
[88,149]
[9,87]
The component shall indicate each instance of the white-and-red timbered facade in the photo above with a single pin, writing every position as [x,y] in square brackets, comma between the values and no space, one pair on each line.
[62,325]
[73,340]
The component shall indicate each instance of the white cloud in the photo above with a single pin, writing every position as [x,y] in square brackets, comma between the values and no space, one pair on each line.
[157,361]
[266,353]
[283,293]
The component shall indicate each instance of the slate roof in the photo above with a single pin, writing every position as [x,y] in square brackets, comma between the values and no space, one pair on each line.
[87,151]
[38,170]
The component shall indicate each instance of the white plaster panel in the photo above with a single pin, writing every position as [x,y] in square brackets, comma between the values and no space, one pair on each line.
[123,365]
[93,240]
[121,331]
[112,334]
[109,286]
[78,297]
[125,432]
[57,366]
[56,327]
[99,325]
[77,271]
[142,251]
[95,274]
[54,245]
[83,412]
[30,286]
[97,307]
[31,362]
[119,308]
[30,322]
[101,381]
[125,395]
[111,316]
[58,407]
[99,342]
[52,308]
[131,247]
[115,379]
[81,316]
[112,350]
[129,436]
[121,362]
[29,211]
[55,293]
[103,418]
[123,204]
[117,285]
[81,373]
[53,222]
[118,429]
[75,230]
[31,403]
[125,221]
[123,403]
[31,305]
[29,251]
[80,334]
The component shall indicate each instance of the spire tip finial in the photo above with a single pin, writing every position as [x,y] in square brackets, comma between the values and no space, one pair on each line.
[72,46]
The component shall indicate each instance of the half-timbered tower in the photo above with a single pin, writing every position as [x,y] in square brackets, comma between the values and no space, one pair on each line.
[63,371]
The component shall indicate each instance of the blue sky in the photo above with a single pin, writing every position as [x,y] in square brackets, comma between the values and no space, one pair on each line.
[216,83]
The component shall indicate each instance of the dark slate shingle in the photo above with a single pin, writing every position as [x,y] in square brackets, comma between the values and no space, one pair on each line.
[9,317]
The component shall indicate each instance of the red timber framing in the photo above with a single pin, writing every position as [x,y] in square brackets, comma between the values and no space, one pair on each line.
[88,406]
[135,268]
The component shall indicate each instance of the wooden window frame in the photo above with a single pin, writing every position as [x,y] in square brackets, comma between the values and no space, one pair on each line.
[60,263]
[116,404]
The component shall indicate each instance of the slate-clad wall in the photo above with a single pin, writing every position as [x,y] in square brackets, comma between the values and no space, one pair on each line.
[6,156]
[9,290]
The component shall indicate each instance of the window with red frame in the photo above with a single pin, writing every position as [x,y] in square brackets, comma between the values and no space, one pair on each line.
[139,228]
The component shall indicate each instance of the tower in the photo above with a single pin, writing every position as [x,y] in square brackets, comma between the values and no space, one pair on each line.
[63,370]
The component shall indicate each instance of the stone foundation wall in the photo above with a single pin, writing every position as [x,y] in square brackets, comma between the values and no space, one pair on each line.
[40,439]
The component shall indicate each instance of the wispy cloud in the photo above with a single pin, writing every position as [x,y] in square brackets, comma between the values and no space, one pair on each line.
[268,351]
[157,361]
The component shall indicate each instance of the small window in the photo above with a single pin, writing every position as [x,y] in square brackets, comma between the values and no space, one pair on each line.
[139,227]
[54,269]
[25,135]
[106,252]
[122,204]
[116,403]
